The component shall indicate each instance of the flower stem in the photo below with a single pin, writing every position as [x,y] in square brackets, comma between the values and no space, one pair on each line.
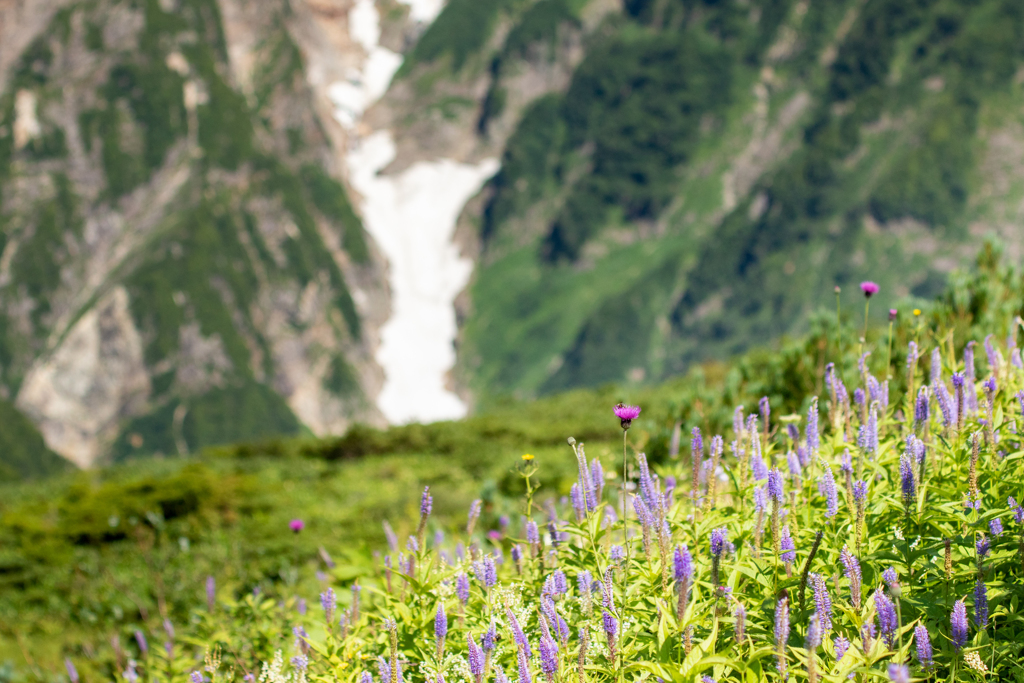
[888,357]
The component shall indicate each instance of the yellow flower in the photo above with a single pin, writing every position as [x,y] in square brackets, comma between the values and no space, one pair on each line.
[917,311]
[527,457]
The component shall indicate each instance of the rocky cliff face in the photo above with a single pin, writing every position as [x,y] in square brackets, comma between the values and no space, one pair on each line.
[180,264]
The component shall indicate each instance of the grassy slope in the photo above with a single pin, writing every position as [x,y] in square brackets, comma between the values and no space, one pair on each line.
[91,554]
[889,135]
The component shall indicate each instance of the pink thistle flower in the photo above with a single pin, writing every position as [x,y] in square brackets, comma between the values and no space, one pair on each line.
[869,288]
[626,414]
[296,525]
[892,314]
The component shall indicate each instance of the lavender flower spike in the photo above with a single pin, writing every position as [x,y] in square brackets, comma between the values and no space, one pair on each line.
[822,602]
[813,436]
[476,659]
[924,646]
[426,503]
[548,657]
[980,604]
[908,483]
[776,486]
[781,635]
[827,487]
[888,621]
[328,601]
[787,546]
[611,629]
[440,630]
[851,568]
[740,618]
[517,634]
[899,673]
[958,625]
[921,407]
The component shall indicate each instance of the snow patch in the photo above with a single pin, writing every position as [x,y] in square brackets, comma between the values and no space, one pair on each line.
[424,10]
[364,86]
[412,217]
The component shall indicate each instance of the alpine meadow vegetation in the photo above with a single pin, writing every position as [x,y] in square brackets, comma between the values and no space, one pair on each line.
[158,568]
[875,532]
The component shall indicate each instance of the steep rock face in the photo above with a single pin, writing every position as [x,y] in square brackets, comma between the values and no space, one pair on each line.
[179,263]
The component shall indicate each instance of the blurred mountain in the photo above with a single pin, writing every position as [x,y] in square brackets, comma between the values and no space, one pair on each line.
[682,180]
[181,265]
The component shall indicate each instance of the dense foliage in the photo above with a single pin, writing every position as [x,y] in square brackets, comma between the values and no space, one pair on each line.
[90,558]
[876,534]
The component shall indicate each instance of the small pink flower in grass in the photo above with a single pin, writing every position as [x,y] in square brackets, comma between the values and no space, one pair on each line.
[626,414]
[869,288]
[296,525]
[892,314]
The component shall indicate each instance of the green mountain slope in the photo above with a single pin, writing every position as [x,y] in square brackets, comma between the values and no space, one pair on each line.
[178,261]
[713,169]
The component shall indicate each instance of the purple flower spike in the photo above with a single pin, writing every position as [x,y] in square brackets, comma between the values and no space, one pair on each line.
[786,545]
[921,407]
[440,627]
[827,487]
[841,644]
[532,533]
[869,288]
[683,563]
[462,588]
[981,546]
[776,486]
[888,621]
[958,625]
[720,541]
[548,656]
[996,526]
[740,617]
[781,634]
[1017,510]
[523,664]
[476,658]
[328,601]
[517,634]
[891,579]
[813,437]
[980,604]
[626,414]
[924,646]
[851,567]
[426,503]
[860,491]
[868,632]
[813,639]
[211,593]
[73,672]
[822,602]
[899,673]
[611,629]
